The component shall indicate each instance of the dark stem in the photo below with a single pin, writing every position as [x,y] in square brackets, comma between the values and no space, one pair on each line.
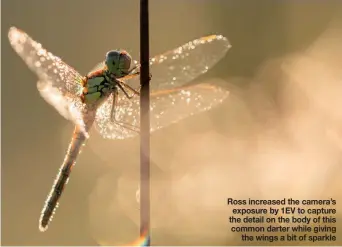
[144,122]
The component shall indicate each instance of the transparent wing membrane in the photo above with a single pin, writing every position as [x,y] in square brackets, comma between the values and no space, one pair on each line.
[183,64]
[97,67]
[67,105]
[167,107]
[59,84]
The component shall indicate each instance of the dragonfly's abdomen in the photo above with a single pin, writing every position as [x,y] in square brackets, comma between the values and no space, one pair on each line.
[62,178]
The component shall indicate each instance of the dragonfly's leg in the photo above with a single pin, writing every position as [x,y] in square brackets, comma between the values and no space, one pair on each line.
[135,92]
[114,105]
[125,125]
[128,126]
[114,117]
[124,86]
[124,91]
[131,70]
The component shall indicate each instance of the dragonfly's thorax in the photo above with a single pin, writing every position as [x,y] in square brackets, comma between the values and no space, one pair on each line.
[98,86]
[110,77]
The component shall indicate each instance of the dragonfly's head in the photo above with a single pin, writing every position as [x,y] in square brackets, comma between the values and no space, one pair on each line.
[118,62]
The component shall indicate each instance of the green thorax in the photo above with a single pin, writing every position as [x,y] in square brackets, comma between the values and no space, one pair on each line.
[98,87]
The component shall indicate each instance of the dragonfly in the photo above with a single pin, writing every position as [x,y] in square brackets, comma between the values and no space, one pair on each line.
[108,96]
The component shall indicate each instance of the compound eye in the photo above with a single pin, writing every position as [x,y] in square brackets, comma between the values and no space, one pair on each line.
[113,62]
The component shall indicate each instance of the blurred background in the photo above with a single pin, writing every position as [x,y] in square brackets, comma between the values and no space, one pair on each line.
[278,134]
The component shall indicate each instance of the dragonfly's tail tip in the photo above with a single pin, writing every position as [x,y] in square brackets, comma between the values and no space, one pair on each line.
[42,228]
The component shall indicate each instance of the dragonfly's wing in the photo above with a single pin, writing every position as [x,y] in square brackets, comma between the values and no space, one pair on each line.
[59,84]
[47,66]
[117,130]
[98,66]
[167,107]
[69,106]
[179,66]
